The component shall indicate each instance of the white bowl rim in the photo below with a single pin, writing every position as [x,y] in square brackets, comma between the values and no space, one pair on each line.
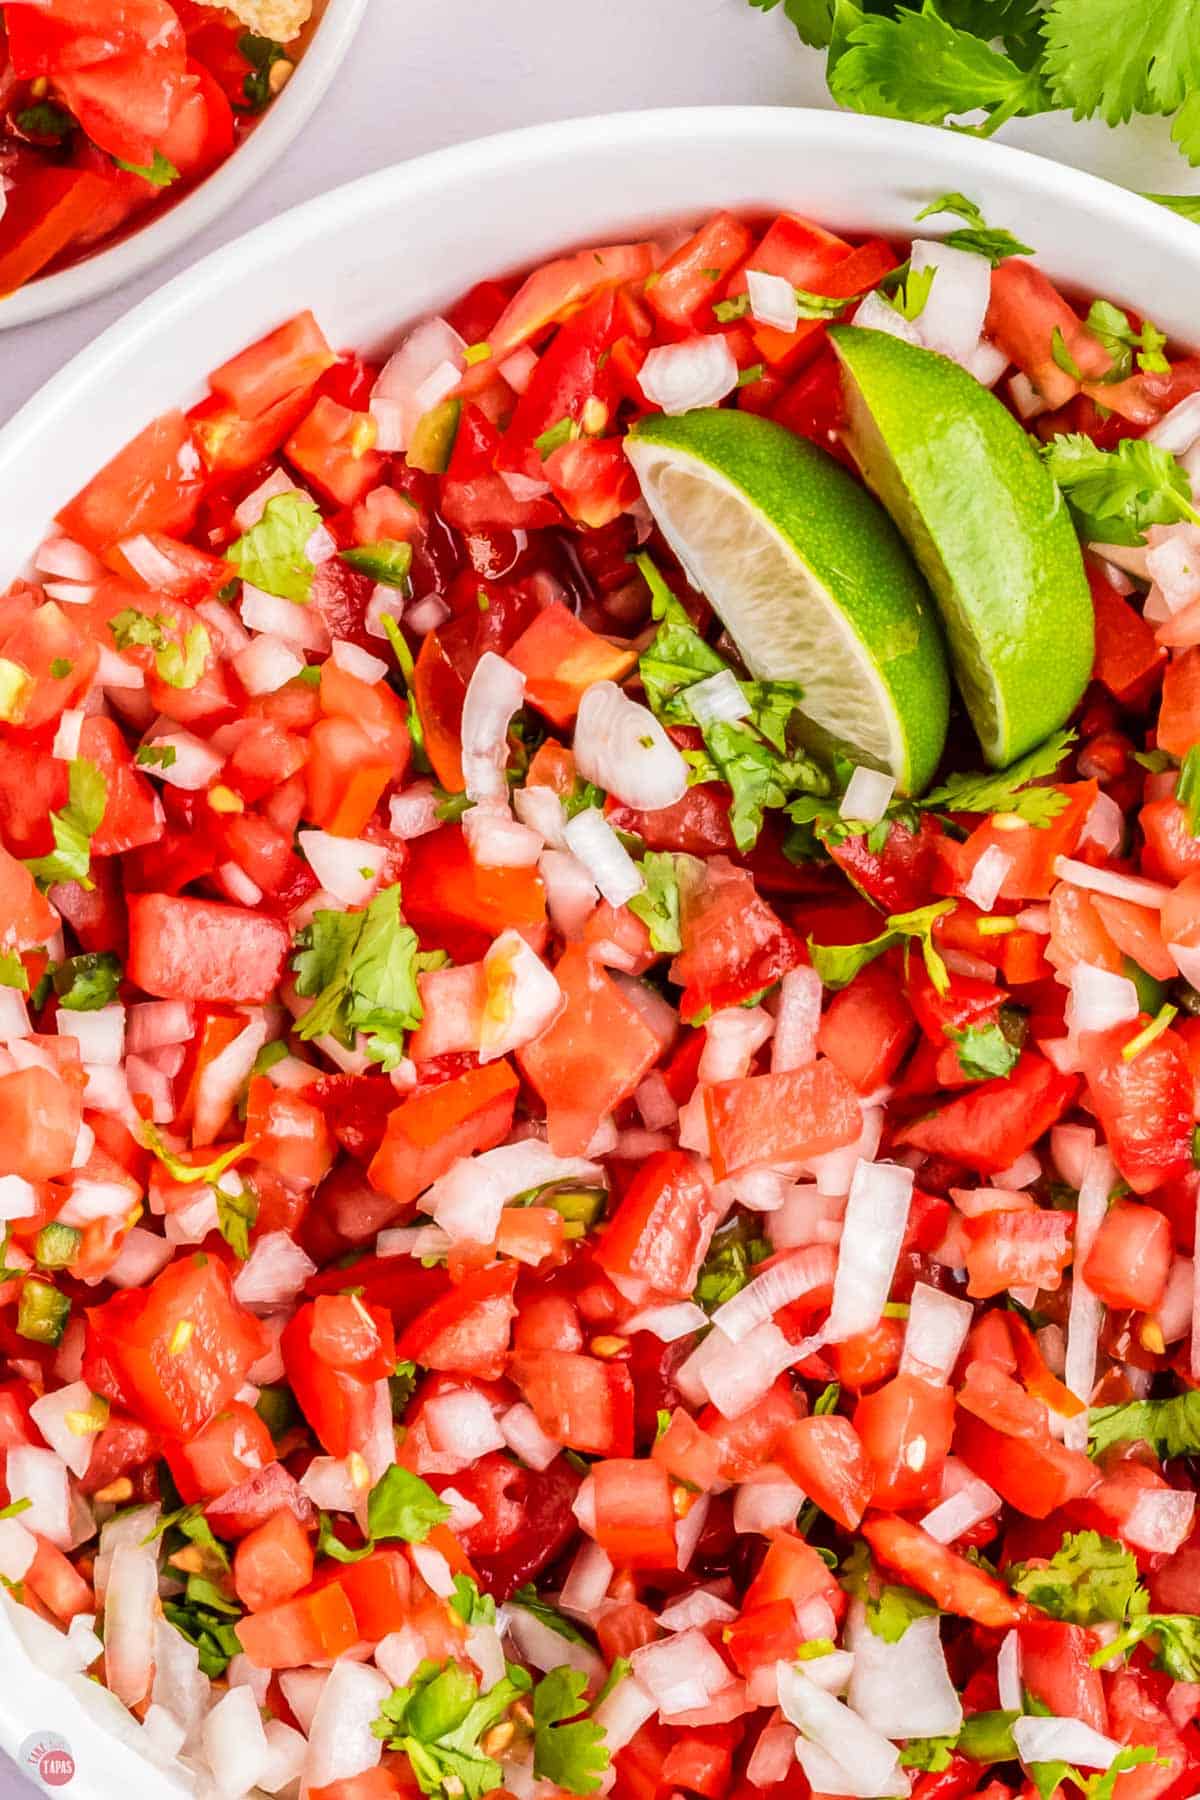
[148,244]
[1059,183]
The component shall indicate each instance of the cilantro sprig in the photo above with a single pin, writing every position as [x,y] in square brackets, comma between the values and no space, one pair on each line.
[1004,59]
[838,964]
[890,1607]
[1171,1427]
[1116,495]
[273,555]
[361,971]
[73,828]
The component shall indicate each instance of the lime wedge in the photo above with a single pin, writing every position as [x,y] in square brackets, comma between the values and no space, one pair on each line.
[989,528]
[808,575]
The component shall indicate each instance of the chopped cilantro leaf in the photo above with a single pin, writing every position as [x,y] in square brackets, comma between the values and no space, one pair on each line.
[1089,1580]
[984,1052]
[273,555]
[1007,790]
[73,828]
[87,982]
[160,173]
[361,970]
[1116,495]
[1171,1427]
[658,903]
[572,1755]
[401,1505]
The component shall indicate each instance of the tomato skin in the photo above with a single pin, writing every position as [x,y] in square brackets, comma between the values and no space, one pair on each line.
[1056,1668]
[1144,1105]
[662,1228]
[867,1028]
[462,907]
[826,1457]
[1127,655]
[428,1133]
[1036,1478]
[989,1127]
[466,1331]
[579,1400]
[224,1453]
[319,1626]
[905,1428]
[784,1117]
[734,943]
[1130,1258]
[337,1402]
[175,1390]
[40,1116]
[957,1585]
[153,484]
[1019,1248]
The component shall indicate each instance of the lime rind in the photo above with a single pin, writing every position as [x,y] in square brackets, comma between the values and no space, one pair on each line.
[809,576]
[988,528]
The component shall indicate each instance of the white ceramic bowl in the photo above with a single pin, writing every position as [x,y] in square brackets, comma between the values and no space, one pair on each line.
[371,257]
[338,20]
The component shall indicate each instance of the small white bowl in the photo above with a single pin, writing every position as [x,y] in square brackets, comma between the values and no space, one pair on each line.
[108,268]
[371,257]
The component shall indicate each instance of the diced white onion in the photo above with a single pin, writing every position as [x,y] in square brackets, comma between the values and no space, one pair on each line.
[1160,1520]
[525,1438]
[876,1219]
[66,738]
[495,692]
[974,1502]
[797,1020]
[546,1649]
[698,372]
[1099,1000]
[874,313]
[987,878]
[348,868]
[718,697]
[592,839]
[1105,881]
[867,797]
[681,1672]
[40,1476]
[468,1200]
[731,1039]
[586,1586]
[404,381]
[497,841]
[795,1274]
[235,1744]
[130,1615]
[522,996]
[267,664]
[937,1329]
[1086,1312]
[772,300]
[18,1197]
[223,1079]
[1062,1740]
[100,1035]
[69,1420]
[623,1712]
[768,1502]
[620,745]
[951,319]
[195,763]
[275,1272]
[668,1323]
[902,1689]
[290,620]
[839,1732]
[1178,429]
[413,813]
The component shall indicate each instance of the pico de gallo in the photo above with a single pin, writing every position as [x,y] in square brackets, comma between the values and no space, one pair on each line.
[110,110]
[547,1251]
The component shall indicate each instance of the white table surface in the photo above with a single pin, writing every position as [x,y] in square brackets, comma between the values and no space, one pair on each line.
[426,73]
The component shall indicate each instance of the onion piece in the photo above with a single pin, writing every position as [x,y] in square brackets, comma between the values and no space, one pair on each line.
[462,1421]
[592,839]
[401,394]
[495,692]
[235,1744]
[347,868]
[40,1476]
[669,1323]
[867,796]
[876,1219]
[1099,1000]
[1107,881]
[620,745]
[468,1200]
[700,371]
[1160,1520]
[130,1613]
[788,1279]
[267,664]
[718,697]
[1062,1740]
[289,620]
[874,313]
[768,1501]
[223,1079]
[413,813]
[699,1608]
[521,997]
[547,1649]
[681,1672]
[937,1329]
[731,1039]
[951,320]
[496,840]
[1008,1674]
[959,1512]
[988,877]
[341,1743]
[623,1712]
[797,1020]
[69,1419]
[902,1689]
[1086,1311]
[274,1273]
[772,300]
[839,1732]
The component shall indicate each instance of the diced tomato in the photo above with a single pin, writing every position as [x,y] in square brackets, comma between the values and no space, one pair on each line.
[867,1028]
[905,1428]
[560,658]
[1036,1478]
[592,1056]
[153,484]
[315,1627]
[661,1231]
[734,944]
[186,949]
[1130,1257]
[1056,1667]
[635,1513]
[579,1400]
[956,1585]
[292,357]
[428,1133]
[1144,1103]
[989,1127]
[179,1349]
[272,1562]
[462,905]
[784,1117]
[224,1453]
[1016,1249]
[826,1457]
[468,1329]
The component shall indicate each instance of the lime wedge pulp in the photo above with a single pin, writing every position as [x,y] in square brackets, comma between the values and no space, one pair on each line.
[988,527]
[809,577]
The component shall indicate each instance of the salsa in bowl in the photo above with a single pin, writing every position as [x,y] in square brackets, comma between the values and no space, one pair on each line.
[587,1207]
[112,116]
